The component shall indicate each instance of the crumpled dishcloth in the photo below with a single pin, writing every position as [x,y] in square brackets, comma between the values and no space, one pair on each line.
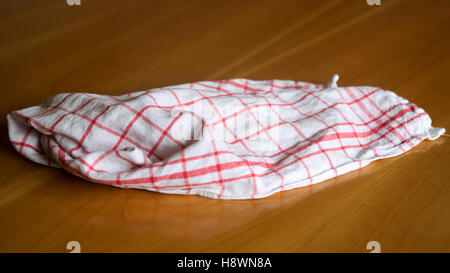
[234,139]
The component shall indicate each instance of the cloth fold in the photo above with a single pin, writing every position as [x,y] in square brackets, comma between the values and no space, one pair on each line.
[233,139]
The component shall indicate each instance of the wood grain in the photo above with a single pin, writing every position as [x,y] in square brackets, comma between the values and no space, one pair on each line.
[115,47]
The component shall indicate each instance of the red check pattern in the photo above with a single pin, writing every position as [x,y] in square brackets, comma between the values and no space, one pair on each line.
[146,139]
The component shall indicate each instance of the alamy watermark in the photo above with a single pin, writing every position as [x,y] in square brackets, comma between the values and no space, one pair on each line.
[369,2]
[373,2]
[73,2]
[74,246]
[375,246]
[204,121]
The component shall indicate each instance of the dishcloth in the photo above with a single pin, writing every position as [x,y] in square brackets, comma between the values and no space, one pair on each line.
[232,139]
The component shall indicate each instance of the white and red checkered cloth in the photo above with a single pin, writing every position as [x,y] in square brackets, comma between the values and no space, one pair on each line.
[258,138]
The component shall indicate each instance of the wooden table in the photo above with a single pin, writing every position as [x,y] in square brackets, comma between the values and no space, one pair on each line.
[114,47]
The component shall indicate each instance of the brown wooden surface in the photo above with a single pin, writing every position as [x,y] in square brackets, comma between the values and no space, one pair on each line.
[115,47]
